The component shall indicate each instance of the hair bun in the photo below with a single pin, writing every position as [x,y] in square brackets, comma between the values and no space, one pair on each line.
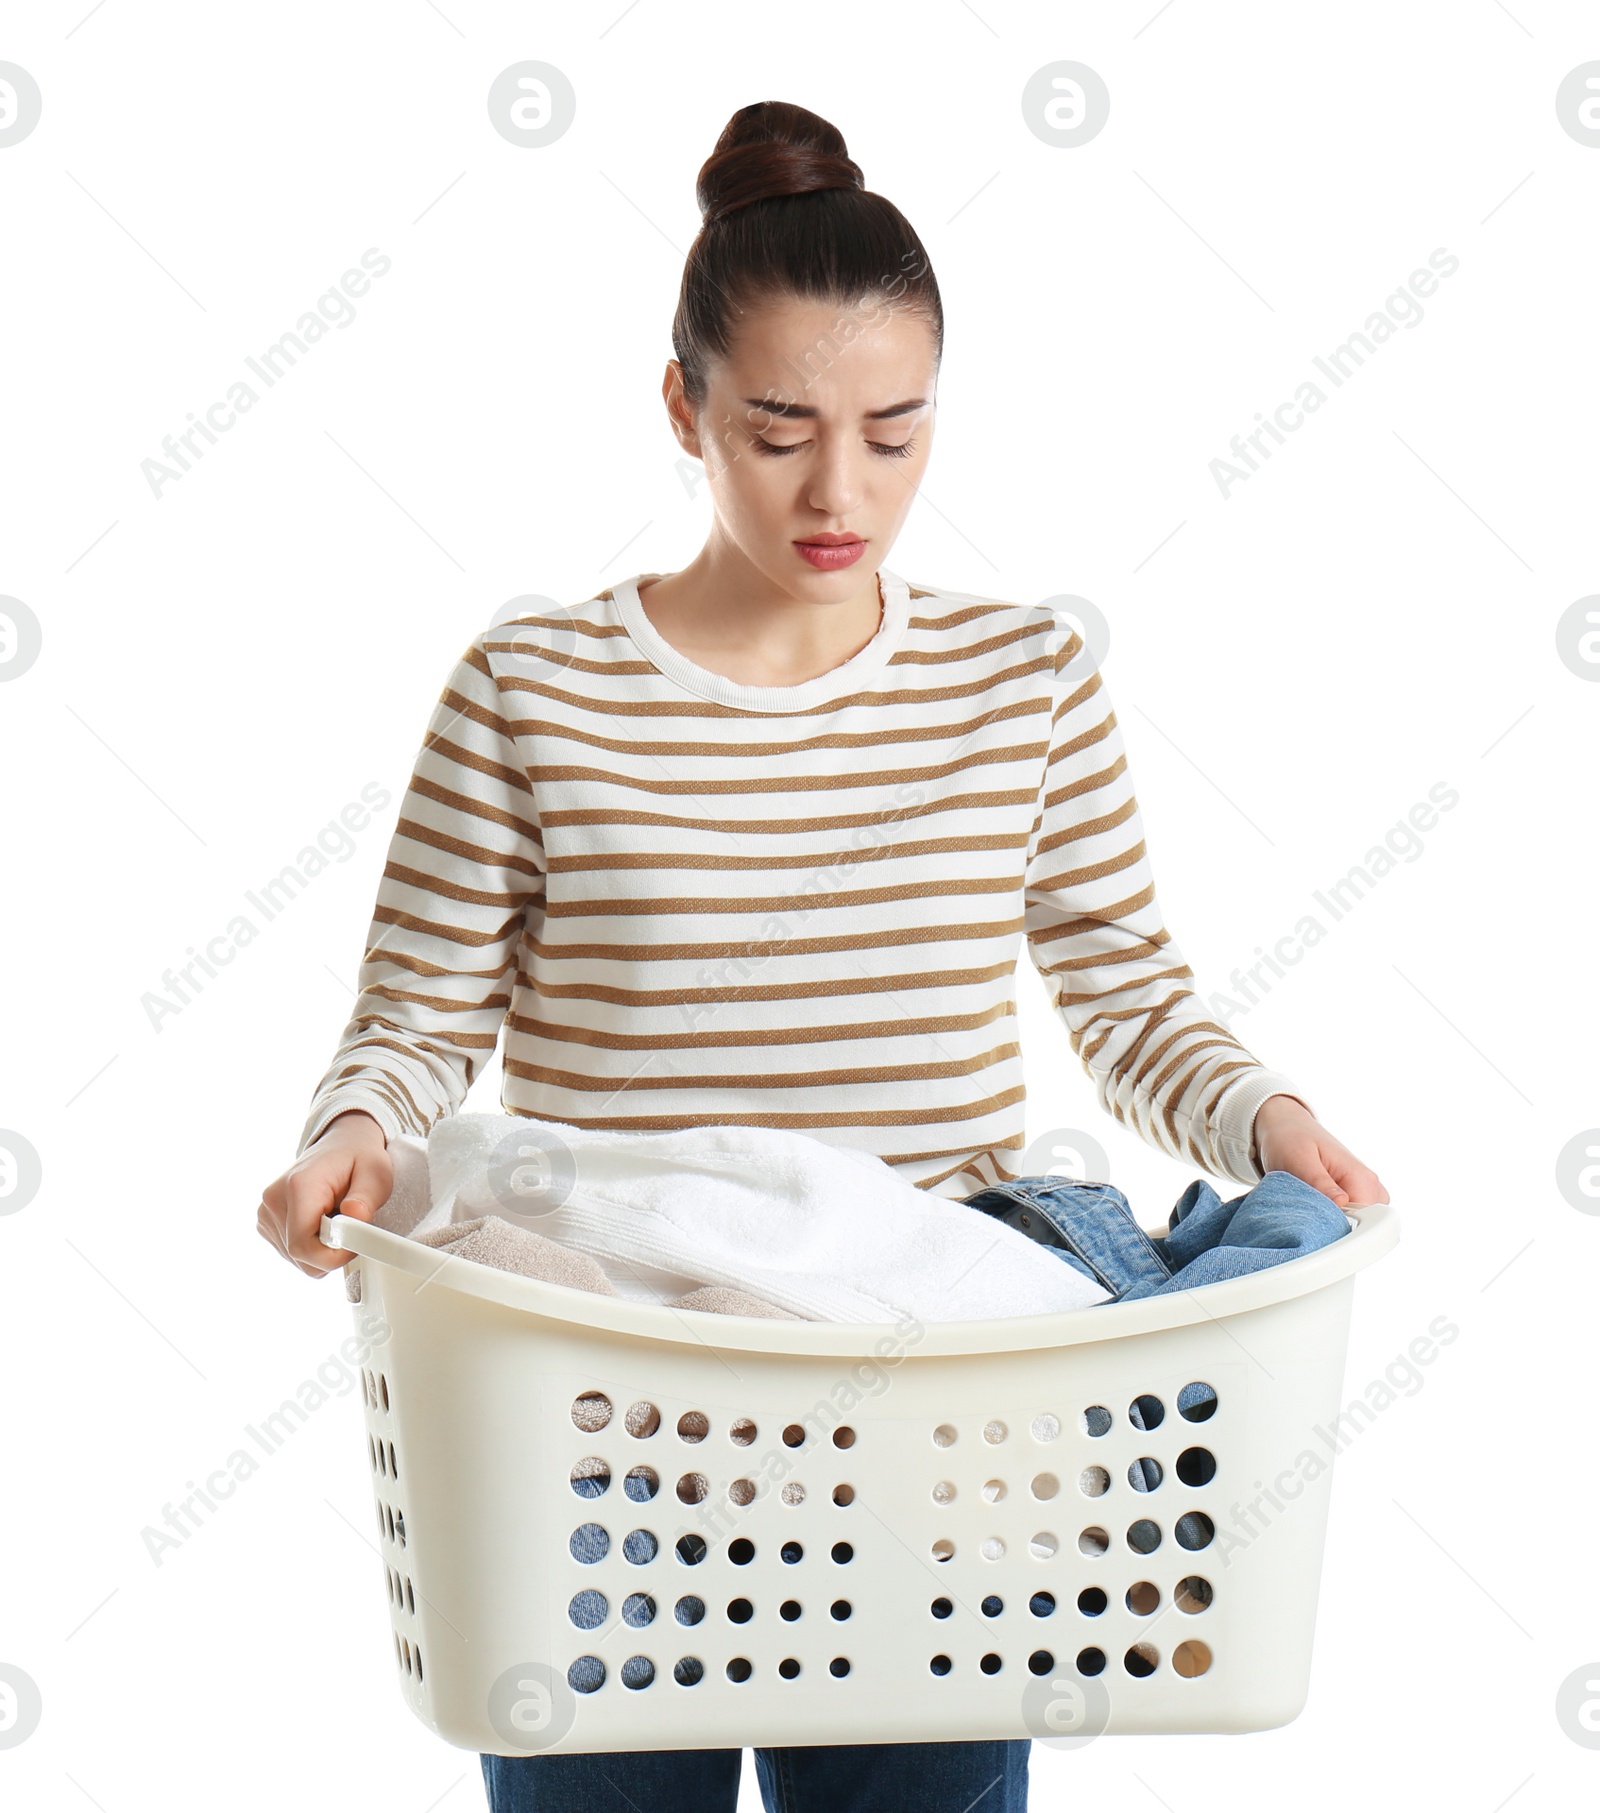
[771,149]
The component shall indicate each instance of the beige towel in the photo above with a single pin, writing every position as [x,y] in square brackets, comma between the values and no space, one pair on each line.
[491,1240]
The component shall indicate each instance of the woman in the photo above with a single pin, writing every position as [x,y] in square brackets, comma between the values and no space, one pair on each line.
[754,843]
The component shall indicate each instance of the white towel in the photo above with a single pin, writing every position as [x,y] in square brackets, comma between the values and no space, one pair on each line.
[822,1231]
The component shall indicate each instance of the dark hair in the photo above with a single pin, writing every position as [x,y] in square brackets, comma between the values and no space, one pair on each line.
[785,212]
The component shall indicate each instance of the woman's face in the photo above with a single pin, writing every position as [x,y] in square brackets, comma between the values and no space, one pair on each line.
[819,423]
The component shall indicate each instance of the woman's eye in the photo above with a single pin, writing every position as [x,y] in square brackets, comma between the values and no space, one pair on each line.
[885,448]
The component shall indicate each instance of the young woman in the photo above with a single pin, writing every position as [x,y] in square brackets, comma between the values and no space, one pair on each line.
[756,843]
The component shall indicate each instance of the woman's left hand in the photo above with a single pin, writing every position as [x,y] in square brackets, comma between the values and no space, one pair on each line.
[1290,1138]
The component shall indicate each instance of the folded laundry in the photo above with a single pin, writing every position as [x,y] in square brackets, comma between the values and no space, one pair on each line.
[1206,1240]
[815,1231]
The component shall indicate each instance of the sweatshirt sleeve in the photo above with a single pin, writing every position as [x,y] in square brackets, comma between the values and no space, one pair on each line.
[1094,930]
[465,870]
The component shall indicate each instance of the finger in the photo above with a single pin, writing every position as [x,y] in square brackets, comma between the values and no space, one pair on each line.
[312,1194]
[1309,1167]
[1362,1182]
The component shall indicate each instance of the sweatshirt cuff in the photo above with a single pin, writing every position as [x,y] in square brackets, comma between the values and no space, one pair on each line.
[1233,1120]
[341,1102]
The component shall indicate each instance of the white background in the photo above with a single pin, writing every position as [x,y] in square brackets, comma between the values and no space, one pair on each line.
[1294,666]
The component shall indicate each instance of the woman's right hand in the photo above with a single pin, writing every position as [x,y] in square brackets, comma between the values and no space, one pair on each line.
[348,1169]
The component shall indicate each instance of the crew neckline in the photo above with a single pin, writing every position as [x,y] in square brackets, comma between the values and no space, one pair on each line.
[849,677]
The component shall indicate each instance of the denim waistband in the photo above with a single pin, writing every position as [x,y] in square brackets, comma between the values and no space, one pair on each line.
[1095,1221]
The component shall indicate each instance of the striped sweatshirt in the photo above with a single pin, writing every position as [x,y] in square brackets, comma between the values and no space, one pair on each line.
[695,902]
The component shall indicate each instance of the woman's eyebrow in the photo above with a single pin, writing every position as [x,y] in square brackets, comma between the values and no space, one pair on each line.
[800,411]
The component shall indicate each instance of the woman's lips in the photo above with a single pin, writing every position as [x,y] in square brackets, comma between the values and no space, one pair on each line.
[830,556]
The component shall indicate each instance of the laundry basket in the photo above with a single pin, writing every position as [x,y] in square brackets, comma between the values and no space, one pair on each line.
[609,1525]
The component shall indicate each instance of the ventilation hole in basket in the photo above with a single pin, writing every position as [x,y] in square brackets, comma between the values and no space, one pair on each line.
[641,1419]
[993,1491]
[794,1436]
[789,1610]
[1046,1427]
[1192,1594]
[1191,1658]
[637,1672]
[944,1492]
[381,1530]
[1091,1661]
[1144,1474]
[586,1675]
[789,1668]
[1096,1420]
[742,1433]
[1197,1402]
[692,1488]
[388,1581]
[994,1432]
[691,1550]
[844,1436]
[394,1465]
[688,1671]
[383,1391]
[1197,1466]
[1093,1541]
[992,1606]
[740,1611]
[741,1551]
[1092,1601]
[941,1608]
[1195,1530]
[588,1609]
[842,1552]
[1041,1662]
[639,1546]
[689,1609]
[417,1652]
[944,1436]
[1141,1660]
[591,1476]
[1042,1545]
[1045,1485]
[791,1552]
[793,1493]
[839,1667]
[1144,1536]
[372,1455]
[940,1665]
[839,1610]
[638,1610]
[1146,1412]
[943,1549]
[641,1484]
[742,1491]
[411,1599]
[399,1661]
[589,1543]
[405,1649]
[1143,1597]
[739,1669]
[1042,1604]
[591,1411]
[400,1527]
[1093,1481]
[366,1390]
[388,1513]
[990,1664]
[693,1426]
[844,1495]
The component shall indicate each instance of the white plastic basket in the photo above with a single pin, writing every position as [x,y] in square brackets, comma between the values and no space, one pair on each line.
[940,1469]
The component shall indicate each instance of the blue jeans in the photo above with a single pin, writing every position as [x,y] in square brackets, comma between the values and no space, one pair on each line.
[1207,1239]
[811,1778]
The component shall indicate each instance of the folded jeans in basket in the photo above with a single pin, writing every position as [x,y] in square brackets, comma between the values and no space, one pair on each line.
[1206,1240]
